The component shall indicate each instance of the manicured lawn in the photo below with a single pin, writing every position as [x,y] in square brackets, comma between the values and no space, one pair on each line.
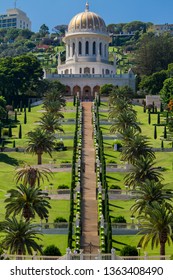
[115,178]
[55,239]
[133,241]
[59,208]
[163,159]
[9,161]
[121,208]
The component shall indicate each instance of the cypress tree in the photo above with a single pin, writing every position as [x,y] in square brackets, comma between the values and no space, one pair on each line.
[149,118]
[29,105]
[14,144]
[74,100]
[20,132]
[155,132]
[153,107]
[162,145]
[15,116]
[165,132]
[25,118]
[158,118]
[9,131]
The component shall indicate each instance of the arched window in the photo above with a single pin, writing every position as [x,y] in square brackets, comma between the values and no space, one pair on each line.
[87,47]
[86,70]
[105,50]
[94,48]
[80,48]
[73,48]
[100,48]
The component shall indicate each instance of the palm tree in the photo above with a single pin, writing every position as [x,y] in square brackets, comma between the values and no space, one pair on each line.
[30,175]
[143,169]
[27,201]
[54,101]
[125,93]
[39,142]
[123,121]
[135,147]
[156,226]
[148,192]
[128,134]
[20,237]
[50,123]
[118,105]
[120,99]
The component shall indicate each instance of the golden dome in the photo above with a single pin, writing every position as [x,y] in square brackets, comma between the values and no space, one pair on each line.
[87,21]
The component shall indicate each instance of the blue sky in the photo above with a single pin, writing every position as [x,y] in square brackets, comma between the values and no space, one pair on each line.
[55,12]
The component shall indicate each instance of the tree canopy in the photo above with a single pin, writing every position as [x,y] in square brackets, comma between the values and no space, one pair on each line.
[18,73]
[153,84]
[154,53]
[166,92]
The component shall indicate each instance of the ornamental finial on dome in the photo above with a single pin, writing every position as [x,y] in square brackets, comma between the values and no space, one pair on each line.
[87,7]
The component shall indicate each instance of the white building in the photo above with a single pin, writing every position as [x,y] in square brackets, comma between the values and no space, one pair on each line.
[87,65]
[15,18]
[159,29]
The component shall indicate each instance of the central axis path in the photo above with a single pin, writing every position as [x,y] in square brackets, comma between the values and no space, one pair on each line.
[89,202]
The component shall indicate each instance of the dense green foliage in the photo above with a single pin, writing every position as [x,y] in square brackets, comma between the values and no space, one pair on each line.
[129,250]
[18,74]
[51,250]
[154,53]
[20,237]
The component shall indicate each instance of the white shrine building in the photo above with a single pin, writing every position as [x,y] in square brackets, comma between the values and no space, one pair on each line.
[87,65]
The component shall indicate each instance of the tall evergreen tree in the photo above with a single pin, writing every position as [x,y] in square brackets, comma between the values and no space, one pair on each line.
[20,131]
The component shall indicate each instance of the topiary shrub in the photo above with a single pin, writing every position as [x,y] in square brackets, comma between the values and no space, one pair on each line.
[63,187]
[115,187]
[51,250]
[59,146]
[59,220]
[119,219]
[129,250]
[112,161]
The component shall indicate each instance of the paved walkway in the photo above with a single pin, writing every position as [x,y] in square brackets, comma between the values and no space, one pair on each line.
[89,203]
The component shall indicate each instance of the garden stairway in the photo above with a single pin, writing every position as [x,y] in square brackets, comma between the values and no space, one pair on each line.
[89,216]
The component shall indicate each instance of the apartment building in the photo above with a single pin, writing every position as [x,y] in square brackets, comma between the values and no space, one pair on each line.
[15,18]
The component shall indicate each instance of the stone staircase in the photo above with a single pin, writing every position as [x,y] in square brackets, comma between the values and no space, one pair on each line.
[89,215]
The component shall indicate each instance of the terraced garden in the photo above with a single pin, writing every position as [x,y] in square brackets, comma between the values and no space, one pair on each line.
[10,160]
[164,161]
